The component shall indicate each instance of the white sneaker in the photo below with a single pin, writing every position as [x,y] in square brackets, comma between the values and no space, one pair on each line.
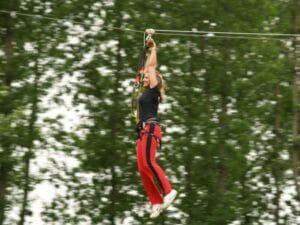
[169,199]
[156,210]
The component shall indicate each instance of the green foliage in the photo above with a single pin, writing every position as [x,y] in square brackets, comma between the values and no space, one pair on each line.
[227,122]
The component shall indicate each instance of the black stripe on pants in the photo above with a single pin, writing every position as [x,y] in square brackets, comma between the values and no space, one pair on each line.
[148,156]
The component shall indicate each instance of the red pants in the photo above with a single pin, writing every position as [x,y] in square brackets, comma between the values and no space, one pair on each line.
[153,177]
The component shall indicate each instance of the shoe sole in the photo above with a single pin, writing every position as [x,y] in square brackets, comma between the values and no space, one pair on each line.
[167,206]
[153,217]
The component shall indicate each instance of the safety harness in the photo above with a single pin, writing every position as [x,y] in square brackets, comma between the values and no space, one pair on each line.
[152,124]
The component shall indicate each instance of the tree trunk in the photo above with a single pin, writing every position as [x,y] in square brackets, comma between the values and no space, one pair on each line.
[3,186]
[114,118]
[8,69]
[31,137]
[222,137]
[246,219]
[275,171]
[26,189]
[188,162]
[277,196]
[296,98]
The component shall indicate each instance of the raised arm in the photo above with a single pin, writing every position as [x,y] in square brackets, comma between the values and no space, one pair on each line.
[151,63]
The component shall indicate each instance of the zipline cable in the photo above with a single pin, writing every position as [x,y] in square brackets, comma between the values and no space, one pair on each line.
[68,20]
[229,33]
[187,33]
[223,36]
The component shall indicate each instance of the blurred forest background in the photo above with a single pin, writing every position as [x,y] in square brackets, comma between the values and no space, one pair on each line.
[231,143]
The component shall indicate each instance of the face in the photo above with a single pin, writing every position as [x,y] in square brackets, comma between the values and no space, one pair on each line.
[146,81]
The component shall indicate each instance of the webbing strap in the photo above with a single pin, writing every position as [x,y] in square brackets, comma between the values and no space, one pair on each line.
[137,84]
[151,133]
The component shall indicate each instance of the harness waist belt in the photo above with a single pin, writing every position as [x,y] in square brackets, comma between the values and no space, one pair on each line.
[152,120]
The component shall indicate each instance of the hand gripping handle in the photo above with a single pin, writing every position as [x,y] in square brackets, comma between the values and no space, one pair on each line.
[149,33]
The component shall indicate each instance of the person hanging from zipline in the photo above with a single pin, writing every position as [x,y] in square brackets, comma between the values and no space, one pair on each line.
[157,186]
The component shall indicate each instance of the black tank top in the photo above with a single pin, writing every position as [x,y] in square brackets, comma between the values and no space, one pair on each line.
[148,104]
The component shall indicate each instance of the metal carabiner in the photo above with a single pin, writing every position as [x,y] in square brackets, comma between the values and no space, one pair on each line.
[149,33]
